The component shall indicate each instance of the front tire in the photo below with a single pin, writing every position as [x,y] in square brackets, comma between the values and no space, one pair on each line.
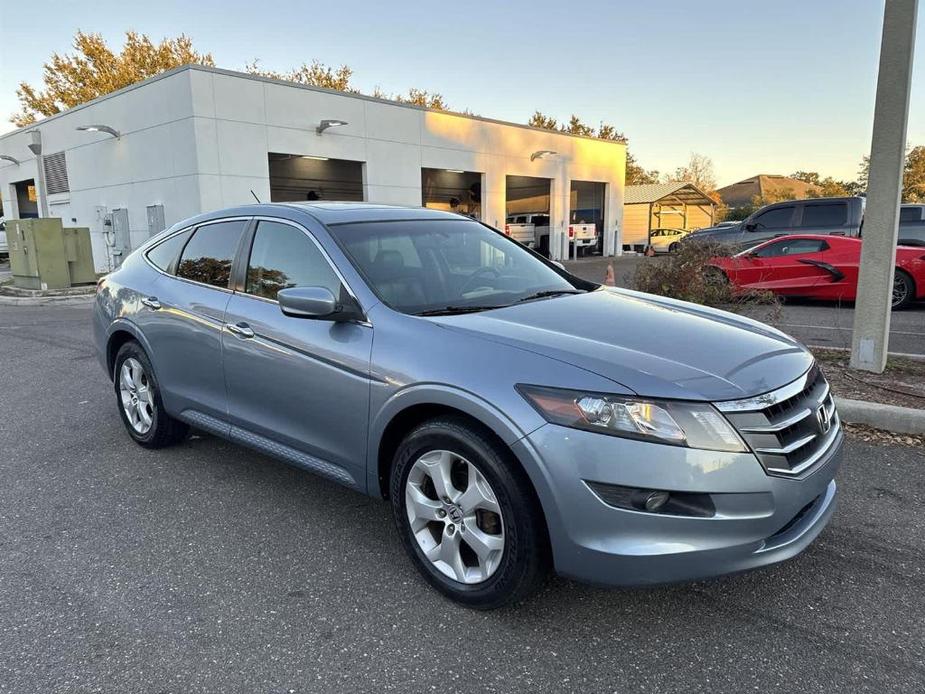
[139,399]
[903,290]
[467,515]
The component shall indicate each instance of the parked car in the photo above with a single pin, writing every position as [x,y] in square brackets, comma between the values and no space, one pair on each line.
[819,267]
[829,216]
[666,240]
[515,416]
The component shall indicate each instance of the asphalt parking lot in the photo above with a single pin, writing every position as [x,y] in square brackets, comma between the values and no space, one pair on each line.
[821,324]
[209,568]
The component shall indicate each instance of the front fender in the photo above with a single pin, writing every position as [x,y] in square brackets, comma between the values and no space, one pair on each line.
[447,396]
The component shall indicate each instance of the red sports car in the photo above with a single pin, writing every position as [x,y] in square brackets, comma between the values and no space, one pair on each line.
[819,267]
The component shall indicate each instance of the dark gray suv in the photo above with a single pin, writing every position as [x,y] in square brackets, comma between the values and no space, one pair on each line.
[517,418]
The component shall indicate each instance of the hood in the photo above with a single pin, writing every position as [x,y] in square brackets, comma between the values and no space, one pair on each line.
[653,346]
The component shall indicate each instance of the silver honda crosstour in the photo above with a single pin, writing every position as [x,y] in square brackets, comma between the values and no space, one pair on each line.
[516,417]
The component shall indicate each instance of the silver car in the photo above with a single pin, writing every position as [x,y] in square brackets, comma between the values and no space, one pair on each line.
[516,417]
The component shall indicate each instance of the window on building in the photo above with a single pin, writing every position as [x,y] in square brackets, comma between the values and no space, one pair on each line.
[210,252]
[282,256]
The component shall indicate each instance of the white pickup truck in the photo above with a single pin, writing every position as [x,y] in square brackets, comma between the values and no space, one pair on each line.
[583,236]
[532,230]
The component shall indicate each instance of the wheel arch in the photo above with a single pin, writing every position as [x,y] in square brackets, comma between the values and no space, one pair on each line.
[411,407]
[120,332]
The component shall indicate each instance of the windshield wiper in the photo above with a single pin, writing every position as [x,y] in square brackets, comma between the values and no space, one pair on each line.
[550,292]
[452,310]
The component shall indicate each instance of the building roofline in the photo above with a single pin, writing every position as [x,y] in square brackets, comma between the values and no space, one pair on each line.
[287,83]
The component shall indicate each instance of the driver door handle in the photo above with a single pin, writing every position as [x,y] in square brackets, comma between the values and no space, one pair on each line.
[151,302]
[242,330]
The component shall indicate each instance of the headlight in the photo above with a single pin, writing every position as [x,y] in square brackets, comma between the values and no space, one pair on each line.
[691,424]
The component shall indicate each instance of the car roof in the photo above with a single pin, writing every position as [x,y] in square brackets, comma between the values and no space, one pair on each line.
[347,212]
[324,212]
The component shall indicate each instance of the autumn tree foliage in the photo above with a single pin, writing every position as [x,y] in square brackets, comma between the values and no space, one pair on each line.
[314,74]
[94,69]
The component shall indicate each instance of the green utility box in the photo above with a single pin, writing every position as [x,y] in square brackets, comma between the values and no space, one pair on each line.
[79,255]
[44,255]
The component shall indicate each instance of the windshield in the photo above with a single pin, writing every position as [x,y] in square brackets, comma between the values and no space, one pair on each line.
[434,266]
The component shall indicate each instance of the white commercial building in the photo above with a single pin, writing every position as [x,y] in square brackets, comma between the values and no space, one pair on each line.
[196,139]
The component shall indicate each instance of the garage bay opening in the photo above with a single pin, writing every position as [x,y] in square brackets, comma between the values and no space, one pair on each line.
[301,178]
[527,213]
[452,190]
[586,218]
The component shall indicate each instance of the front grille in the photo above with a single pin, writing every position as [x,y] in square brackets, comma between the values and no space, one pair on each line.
[790,429]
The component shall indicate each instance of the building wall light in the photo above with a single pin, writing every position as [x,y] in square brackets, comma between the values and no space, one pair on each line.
[332,123]
[7,157]
[542,154]
[100,129]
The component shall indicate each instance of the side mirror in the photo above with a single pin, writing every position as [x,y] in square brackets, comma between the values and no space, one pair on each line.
[314,302]
[750,226]
[558,264]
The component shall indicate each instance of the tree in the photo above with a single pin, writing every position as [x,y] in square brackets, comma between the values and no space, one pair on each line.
[576,127]
[914,175]
[422,97]
[95,69]
[541,120]
[636,174]
[314,74]
[699,171]
[810,177]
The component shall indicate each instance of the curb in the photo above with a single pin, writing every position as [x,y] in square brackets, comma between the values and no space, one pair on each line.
[902,420]
[72,300]
[902,355]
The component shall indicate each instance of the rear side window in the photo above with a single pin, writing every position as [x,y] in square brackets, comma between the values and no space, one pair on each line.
[165,253]
[209,254]
[774,219]
[835,214]
[282,256]
[910,214]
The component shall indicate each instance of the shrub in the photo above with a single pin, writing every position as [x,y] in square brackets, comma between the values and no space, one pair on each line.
[688,275]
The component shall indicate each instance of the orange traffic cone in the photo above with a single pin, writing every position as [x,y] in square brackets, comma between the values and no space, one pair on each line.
[608,276]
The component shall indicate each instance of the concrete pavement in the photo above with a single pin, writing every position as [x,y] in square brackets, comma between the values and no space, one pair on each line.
[208,568]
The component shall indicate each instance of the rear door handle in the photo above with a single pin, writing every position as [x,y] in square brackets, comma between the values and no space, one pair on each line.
[151,302]
[242,330]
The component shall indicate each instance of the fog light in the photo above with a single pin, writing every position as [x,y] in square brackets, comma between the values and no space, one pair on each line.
[655,500]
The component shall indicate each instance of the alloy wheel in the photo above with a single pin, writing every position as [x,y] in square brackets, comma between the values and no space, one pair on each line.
[900,289]
[454,516]
[135,393]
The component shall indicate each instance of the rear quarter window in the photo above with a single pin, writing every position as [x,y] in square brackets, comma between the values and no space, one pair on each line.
[163,255]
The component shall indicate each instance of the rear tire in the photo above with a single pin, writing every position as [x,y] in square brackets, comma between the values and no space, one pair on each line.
[903,290]
[474,529]
[138,397]
[673,247]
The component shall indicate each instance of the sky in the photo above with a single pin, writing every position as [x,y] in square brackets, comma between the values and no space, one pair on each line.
[759,87]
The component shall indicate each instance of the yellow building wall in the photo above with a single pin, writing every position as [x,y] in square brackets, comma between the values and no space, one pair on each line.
[635,224]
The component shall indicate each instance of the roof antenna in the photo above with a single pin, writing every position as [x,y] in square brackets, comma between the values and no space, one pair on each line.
[255,195]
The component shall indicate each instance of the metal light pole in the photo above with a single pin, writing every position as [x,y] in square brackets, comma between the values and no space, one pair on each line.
[884,188]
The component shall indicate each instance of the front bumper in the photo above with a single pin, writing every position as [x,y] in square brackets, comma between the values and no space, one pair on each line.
[759,519]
